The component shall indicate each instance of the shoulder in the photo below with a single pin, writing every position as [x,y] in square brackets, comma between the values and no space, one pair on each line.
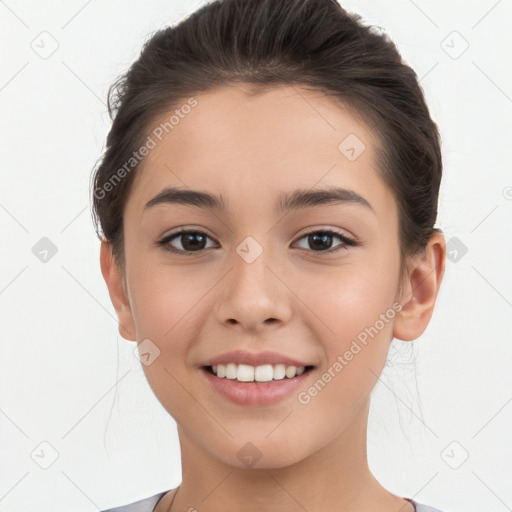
[148,505]
[424,508]
[144,505]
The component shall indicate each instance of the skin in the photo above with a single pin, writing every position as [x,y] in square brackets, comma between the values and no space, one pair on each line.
[248,149]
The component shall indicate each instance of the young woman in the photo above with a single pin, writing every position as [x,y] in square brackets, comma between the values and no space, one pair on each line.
[267,202]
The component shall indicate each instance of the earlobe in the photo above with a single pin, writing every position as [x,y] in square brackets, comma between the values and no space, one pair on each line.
[114,280]
[420,293]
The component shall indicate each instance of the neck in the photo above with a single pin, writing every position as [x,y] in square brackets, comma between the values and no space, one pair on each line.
[334,478]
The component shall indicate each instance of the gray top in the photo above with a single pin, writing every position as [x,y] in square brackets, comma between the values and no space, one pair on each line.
[149,504]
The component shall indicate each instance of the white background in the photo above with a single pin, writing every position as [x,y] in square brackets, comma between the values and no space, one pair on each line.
[70,383]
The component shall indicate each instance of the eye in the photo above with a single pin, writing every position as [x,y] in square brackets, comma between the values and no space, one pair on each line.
[191,241]
[321,240]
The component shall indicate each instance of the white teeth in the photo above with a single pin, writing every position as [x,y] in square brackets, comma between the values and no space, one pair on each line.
[263,373]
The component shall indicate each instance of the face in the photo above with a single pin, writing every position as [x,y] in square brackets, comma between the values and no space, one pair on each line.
[314,282]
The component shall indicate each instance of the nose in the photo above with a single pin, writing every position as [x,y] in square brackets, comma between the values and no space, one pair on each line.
[254,295]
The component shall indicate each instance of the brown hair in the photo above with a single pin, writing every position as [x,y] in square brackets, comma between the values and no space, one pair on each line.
[314,44]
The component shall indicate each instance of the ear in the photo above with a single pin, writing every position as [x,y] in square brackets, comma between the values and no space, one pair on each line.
[116,288]
[418,298]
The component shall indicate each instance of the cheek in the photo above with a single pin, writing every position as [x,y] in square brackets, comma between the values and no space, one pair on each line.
[353,316]
[163,300]
[166,304]
[349,299]
[355,355]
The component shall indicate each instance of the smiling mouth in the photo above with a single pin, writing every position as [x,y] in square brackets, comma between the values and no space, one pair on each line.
[248,375]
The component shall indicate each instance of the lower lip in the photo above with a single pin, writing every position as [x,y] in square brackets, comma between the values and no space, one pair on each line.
[256,393]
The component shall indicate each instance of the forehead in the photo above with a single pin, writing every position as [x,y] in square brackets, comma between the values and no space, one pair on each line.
[244,145]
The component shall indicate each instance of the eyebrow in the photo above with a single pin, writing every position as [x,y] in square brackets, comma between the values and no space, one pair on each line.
[301,198]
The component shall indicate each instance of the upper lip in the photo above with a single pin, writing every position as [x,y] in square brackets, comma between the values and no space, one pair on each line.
[254,359]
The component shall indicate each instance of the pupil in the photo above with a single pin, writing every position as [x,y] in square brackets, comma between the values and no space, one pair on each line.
[188,237]
[317,241]
[323,237]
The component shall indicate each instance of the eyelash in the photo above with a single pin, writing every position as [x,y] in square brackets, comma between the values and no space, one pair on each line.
[164,242]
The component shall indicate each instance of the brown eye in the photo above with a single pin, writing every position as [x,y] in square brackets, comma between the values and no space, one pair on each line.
[193,241]
[190,242]
[321,241]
